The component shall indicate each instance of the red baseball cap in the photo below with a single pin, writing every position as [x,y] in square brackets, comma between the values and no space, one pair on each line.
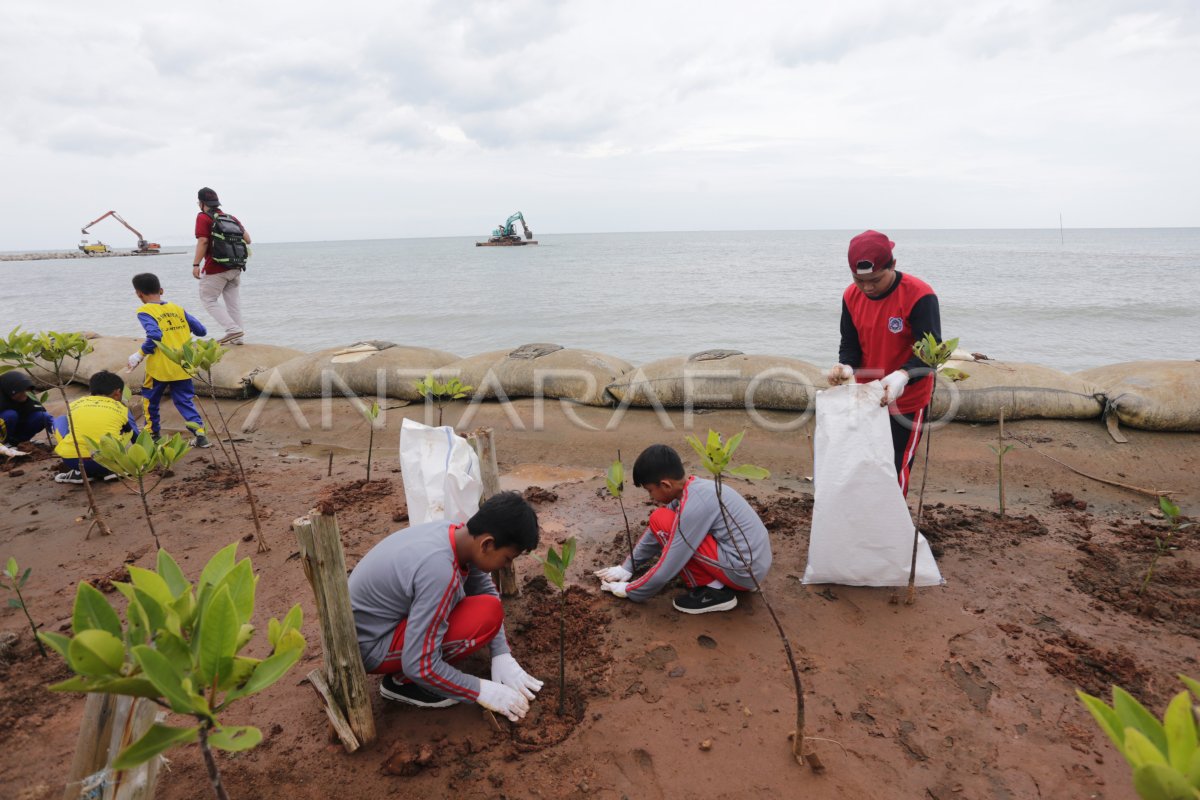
[869,252]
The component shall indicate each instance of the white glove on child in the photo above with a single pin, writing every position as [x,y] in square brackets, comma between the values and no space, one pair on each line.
[507,671]
[840,374]
[613,574]
[502,699]
[134,360]
[893,386]
[616,587]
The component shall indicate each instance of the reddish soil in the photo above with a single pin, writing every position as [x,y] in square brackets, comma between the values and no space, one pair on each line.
[967,694]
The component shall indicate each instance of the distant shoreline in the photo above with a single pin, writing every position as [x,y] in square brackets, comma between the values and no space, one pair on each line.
[56,255]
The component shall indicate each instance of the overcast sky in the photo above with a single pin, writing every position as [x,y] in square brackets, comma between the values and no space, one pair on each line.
[401,119]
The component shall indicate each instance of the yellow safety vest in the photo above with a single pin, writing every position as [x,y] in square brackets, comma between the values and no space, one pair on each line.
[94,416]
[175,333]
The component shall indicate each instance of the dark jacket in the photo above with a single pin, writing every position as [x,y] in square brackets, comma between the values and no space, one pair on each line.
[11,383]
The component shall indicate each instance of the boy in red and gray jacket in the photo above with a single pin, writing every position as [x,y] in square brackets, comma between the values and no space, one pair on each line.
[884,313]
[423,599]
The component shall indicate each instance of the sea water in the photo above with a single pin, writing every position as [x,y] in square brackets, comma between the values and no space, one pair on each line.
[1071,300]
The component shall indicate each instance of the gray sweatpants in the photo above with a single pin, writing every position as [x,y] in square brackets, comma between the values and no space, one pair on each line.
[223,286]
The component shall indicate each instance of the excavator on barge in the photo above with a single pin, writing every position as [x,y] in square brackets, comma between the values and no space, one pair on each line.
[506,235]
[144,248]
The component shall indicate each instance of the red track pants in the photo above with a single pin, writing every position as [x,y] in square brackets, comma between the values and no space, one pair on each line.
[474,622]
[701,570]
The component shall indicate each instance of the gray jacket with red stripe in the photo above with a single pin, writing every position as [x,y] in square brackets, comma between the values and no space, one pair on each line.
[744,547]
[413,574]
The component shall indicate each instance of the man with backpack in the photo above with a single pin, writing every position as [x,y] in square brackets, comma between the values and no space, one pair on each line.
[220,259]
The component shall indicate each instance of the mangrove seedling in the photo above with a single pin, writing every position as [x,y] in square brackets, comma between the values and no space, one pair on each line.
[134,462]
[371,414]
[716,456]
[22,350]
[1000,448]
[17,583]
[1164,754]
[198,357]
[934,355]
[1171,512]
[555,567]
[441,393]
[616,487]
[180,647]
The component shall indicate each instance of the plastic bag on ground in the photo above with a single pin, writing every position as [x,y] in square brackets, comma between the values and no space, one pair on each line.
[862,531]
[441,473]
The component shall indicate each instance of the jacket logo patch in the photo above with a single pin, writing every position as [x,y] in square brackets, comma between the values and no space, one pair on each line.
[895,324]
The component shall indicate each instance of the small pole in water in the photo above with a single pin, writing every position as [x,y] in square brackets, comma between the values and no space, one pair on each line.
[1060,229]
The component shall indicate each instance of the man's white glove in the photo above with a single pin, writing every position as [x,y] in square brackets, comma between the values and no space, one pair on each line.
[613,574]
[893,386]
[840,374]
[11,452]
[616,587]
[502,699]
[507,671]
[134,360]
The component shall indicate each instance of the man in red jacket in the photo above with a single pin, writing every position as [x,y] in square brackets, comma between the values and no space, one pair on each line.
[217,281]
[884,312]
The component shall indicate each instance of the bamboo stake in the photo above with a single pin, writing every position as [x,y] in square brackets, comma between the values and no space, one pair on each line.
[325,567]
[483,440]
[110,724]
[1000,455]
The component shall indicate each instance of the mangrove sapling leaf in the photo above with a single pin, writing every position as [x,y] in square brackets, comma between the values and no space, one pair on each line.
[198,357]
[615,480]
[1164,756]
[15,583]
[441,393]
[21,350]
[179,646]
[716,457]
[371,414]
[134,462]
[1171,512]
[555,568]
[934,355]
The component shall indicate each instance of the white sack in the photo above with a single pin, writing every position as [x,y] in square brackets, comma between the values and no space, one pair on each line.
[441,474]
[862,531]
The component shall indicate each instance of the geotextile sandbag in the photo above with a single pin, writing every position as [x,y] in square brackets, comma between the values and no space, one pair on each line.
[721,379]
[1025,391]
[234,374]
[373,368]
[109,353]
[1151,395]
[532,370]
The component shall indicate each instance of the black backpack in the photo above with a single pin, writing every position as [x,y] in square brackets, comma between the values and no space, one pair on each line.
[227,242]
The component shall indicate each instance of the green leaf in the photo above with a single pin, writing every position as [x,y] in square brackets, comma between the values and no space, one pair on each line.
[152,584]
[219,565]
[10,568]
[699,448]
[294,618]
[1140,751]
[15,603]
[553,574]
[749,472]
[167,679]
[1180,727]
[172,574]
[235,738]
[96,653]
[616,478]
[239,672]
[132,687]
[218,636]
[1108,720]
[156,615]
[158,739]
[568,553]
[57,642]
[266,673]
[1159,782]
[290,640]
[1169,509]
[1134,715]
[241,582]
[733,443]
[1192,684]
[24,577]
[92,612]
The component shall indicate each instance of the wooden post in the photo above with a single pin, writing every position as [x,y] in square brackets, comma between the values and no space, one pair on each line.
[110,724]
[482,439]
[345,696]
[1000,459]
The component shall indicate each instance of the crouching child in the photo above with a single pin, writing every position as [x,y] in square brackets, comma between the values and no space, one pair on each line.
[94,417]
[423,600]
[688,537]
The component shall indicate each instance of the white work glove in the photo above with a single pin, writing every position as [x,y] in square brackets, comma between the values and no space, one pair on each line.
[11,452]
[134,360]
[507,671]
[893,386]
[840,374]
[502,699]
[616,587]
[613,574]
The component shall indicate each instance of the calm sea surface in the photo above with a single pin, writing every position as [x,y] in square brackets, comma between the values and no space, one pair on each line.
[1101,296]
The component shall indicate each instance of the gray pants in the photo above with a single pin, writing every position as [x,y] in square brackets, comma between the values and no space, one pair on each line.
[223,286]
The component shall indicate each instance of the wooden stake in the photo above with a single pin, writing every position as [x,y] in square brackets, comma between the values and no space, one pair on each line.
[482,439]
[110,724]
[329,469]
[346,679]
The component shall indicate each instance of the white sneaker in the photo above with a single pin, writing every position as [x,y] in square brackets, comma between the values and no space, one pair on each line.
[70,476]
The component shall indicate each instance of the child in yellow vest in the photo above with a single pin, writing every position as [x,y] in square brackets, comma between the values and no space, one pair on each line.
[168,324]
[95,416]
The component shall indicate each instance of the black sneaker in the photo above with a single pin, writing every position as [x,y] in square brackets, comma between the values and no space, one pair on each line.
[201,441]
[412,694]
[704,599]
[70,476]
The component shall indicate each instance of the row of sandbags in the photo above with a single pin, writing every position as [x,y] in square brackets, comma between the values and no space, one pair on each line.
[1152,395]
